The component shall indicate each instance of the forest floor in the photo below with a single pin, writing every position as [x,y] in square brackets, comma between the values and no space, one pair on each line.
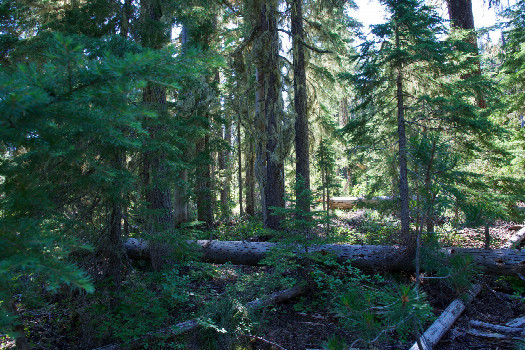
[70,320]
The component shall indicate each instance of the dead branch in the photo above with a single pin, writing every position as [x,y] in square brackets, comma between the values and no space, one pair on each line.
[436,331]
[190,325]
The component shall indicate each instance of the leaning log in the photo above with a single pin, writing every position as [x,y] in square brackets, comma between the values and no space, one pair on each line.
[447,318]
[367,257]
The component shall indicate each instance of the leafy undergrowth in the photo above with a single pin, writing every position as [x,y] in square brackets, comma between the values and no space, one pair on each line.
[344,308]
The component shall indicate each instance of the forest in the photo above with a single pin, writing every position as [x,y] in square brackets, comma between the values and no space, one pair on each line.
[261,174]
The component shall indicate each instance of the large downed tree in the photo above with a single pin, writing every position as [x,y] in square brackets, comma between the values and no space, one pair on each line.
[384,257]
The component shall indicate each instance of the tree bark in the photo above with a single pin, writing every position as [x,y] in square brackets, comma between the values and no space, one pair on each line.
[204,186]
[158,194]
[239,165]
[155,168]
[274,165]
[269,165]
[225,165]
[368,257]
[250,179]
[302,150]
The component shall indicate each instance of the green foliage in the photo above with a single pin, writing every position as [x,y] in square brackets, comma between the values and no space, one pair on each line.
[64,120]
[299,224]
[335,342]
[240,229]
[457,271]
[438,89]
[146,302]
[375,312]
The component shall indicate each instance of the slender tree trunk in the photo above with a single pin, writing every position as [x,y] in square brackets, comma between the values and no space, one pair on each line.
[429,205]
[302,159]
[487,235]
[260,145]
[225,164]
[114,251]
[241,76]
[114,247]
[239,165]
[403,172]
[204,186]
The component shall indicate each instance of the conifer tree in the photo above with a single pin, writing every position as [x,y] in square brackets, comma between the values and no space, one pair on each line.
[269,113]
[411,65]
[302,155]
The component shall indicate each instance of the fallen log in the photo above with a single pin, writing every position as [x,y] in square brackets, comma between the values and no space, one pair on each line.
[191,325]
[350,202]
[367,257]
[447,318]
[517,322]
[516,239]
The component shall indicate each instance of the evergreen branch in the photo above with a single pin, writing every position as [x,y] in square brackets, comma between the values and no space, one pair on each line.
[313,48]
[246,42]
[286,60]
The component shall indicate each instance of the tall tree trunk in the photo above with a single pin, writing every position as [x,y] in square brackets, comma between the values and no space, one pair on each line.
[461,16]
[261,143]
[158,193]
[250,178]
[241,75]
[460,13]
[155,168]
[204,185]
[302,159]
[429,194]
[274,191]
[239,165]
[225,165]
[268,165]
[403,172]
[180,199]
[114,246]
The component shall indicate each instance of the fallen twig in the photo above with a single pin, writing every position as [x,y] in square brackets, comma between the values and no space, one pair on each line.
[262,340]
